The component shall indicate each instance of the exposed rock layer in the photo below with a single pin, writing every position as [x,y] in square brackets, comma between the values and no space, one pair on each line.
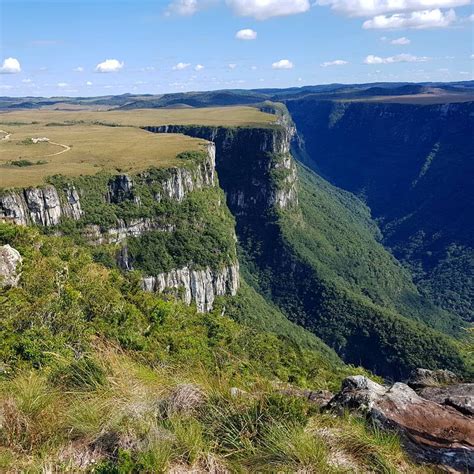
[432,432]
[248,161]
[40,206]
[198,286]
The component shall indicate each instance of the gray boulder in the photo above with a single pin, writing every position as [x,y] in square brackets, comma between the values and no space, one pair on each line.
[431,378]
[459,396]
[432,433]
[10,261]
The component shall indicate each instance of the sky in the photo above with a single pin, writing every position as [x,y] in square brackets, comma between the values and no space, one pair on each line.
[103,47]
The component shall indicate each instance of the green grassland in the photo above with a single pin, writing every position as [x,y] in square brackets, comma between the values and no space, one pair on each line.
[99,376]
[85,142]
[218,116]
[93,148]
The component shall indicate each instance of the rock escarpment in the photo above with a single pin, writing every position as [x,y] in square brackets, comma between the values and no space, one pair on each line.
[40,206]
[255,166]
[413,165]
[432,432]
[49,205]
[198,286]
[114,210]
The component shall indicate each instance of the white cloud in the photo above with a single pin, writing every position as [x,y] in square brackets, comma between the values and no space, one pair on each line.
[418,20]
[181,66]
[472,56]
[26,81]
[399,58]
[283,64]
[264,9]
[336,62]
[183,7]
[10,66]
[62,84]
[246,34]
[400,41]
[253,68]
[198,67]
[78,69]
[232,66]
[109,65]
[376,7]
[88,83]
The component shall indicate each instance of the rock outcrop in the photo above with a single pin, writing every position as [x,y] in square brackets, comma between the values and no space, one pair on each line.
[432,378]
[198,286]
[40,206]
[459,396]
[47,205]
[433,433]
[10,261]
[254,164]
[118,233]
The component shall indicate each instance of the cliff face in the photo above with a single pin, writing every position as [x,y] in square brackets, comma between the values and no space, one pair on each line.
[40,206]
[414,166]
[136,206]
[255,167]
[199,286]
[49,206]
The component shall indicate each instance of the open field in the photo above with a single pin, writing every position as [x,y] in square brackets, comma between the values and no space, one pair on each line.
[227,116]
[83,149]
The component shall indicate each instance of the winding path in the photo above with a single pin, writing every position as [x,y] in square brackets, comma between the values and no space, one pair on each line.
[65,147]
[7,135]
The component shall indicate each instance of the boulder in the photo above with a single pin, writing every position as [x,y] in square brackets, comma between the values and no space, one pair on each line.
[10,261]
[459,396]
[431,378]
[432,433]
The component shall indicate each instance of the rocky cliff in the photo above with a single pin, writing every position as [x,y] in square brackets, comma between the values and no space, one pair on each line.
[132,210]
[40,206]
[199,286]
[413,164]
[48,205]
[255,166]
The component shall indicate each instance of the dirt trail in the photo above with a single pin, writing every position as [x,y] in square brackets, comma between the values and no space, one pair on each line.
[65,147]
[7,135]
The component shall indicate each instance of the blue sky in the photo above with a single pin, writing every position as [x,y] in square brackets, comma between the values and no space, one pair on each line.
[106,47]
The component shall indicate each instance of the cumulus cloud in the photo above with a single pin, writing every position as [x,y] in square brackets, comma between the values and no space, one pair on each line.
[78,69]
[181,66]
[399,58]
[417,20]
[400,41]
[246,34]
[10,66]
[198,67]
[232,65]
[336,62]
[109,65]
[88,83]
[282,64]
[264,9]
[377,7]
